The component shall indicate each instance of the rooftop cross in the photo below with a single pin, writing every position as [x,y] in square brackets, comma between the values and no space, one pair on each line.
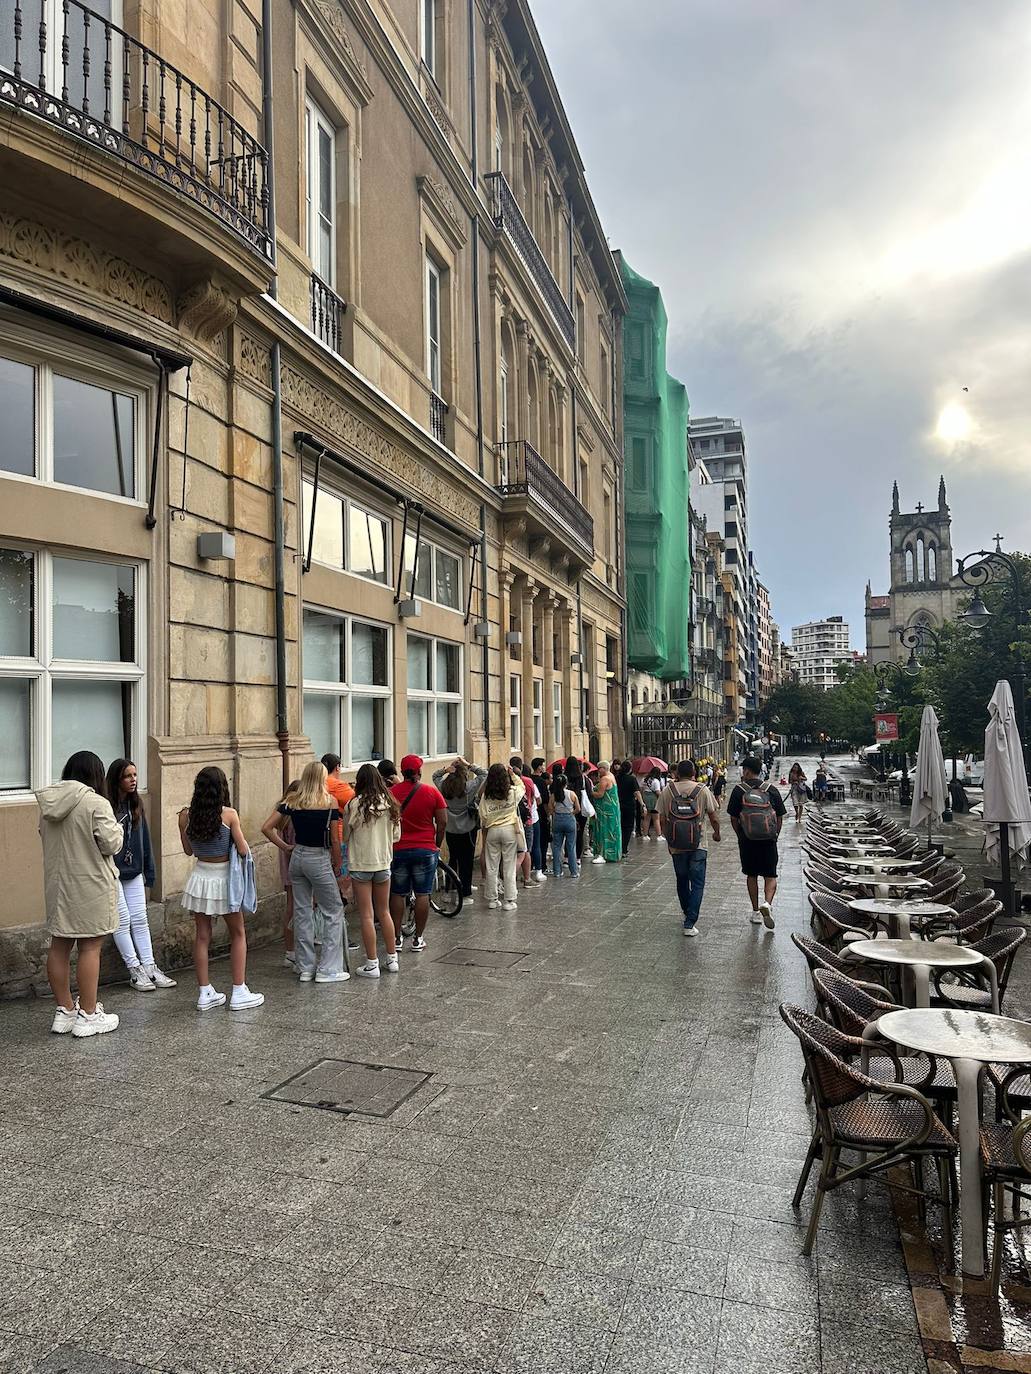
[919,507]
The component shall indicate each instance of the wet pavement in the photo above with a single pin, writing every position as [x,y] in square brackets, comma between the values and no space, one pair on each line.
[579,1160]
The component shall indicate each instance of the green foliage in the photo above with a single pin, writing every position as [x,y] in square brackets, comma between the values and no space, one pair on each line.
[849,708]
[795,710]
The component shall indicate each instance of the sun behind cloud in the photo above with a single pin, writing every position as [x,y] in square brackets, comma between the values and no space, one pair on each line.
[955,424]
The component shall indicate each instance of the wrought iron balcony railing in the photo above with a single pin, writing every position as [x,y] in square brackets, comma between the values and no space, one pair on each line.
[438,418]
[72,67]
[523,472]
[327,313]
[508,216]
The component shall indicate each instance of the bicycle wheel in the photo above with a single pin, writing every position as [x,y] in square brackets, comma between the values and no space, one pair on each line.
[446,897]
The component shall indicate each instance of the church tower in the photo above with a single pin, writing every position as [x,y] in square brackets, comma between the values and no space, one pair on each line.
[923,585]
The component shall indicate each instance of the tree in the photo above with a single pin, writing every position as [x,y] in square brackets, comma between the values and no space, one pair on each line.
[850,706]
[797,709]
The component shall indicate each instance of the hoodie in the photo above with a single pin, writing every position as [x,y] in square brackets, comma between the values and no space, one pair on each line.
[79,834]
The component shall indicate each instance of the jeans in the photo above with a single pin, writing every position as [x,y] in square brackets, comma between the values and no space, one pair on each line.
[563,836]
[690,871]
[413,870]
[627,819]
[132,938]
[533,844]
[311,873]
[501,846]
[461,847]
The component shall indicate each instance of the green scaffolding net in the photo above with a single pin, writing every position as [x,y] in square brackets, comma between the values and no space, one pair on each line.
[658,550]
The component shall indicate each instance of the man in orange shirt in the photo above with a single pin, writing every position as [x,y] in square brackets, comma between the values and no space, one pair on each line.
[341,791]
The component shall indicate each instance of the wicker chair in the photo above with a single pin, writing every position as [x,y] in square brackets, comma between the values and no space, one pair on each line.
[819,956]
[966,900]
[945,890]
[886,1124]
[928,864]
[822,879]
[965,927]
[969,989]
[833,919]
[1006,1164]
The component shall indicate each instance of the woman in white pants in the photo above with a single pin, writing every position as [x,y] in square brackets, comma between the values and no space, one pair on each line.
[135,864]
[503,835]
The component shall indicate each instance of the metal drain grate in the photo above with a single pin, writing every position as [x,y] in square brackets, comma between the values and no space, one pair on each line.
[482,958]
[74,1360]
[341,1085]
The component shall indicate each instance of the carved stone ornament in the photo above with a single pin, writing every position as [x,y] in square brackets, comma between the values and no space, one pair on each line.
[333,418]
[348,57]
[29,244]
[439,112]
[205,310]
[438,198]
[255,361]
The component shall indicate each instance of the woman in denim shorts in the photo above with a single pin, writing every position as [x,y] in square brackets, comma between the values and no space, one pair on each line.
[372,826]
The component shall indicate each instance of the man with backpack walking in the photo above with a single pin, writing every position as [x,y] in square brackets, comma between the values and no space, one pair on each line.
[683,807]
[756,810]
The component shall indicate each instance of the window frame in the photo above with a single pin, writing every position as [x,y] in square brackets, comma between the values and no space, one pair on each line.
[429,53]
[315,118]
[556,712]
[515,711]
[435,696]
[434,284]
[43,668]
[348,503]
[428,545]
[537,713]
[347,691]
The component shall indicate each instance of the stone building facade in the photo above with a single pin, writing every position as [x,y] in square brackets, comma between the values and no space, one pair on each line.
[317,450]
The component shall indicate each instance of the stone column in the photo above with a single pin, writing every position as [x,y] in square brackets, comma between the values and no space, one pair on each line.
[552,746]
[530,591]
[570,680]
[522,381]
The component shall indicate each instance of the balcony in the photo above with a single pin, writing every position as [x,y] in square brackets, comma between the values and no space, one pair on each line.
[327,313]
[508,217]
[438,418]
[705,606]
[159,145]
[536,493]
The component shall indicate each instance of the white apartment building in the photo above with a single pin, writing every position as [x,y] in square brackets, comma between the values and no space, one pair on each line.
[816,650]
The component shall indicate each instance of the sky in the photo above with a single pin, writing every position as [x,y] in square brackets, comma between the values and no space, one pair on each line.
[835,200]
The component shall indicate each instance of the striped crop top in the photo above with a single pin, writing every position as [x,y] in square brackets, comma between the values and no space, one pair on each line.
[216,848]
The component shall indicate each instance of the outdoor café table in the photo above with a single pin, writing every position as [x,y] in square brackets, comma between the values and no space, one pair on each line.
[920,956]
[877,864]
[883,883]
[896,912]
[969,1039]
[861,849]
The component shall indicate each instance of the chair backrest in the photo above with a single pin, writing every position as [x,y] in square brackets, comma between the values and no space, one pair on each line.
[969,899]
[945,890]
[826,1050]
[980,917]
[948,869]
[929,864]
[817,956]
[822,879]
[1001,947]
[849,1006]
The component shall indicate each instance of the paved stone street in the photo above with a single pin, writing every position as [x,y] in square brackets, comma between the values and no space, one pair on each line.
[589,1165]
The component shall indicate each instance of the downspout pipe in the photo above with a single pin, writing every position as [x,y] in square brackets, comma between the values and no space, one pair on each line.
[278,500]
[474,174]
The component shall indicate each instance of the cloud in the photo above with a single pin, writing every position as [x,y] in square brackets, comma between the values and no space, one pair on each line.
[836,203]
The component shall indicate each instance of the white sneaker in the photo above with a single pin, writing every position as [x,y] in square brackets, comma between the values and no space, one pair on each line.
[598,860]
[755,918]
[539,876]
[391,964]
[368,970]
[766,912]
[96,1023]
[493,906]
[306,976]
[138,980]
[509,906]
[473,889]
[691,931]
[418,944]
[342,977]
[159,979]
[208,998]
[399,944]
[245,1000]
[64,1019]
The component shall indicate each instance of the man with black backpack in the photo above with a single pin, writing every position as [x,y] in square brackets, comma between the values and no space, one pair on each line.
[756,810]
[683,807]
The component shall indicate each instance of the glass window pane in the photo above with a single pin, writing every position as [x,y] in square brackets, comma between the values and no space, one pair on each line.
[93,437]
[368,729]
[323,645]
[424,573]
[328,541]
[325,173]
[447,668]
[368,550]
[15,751]
[418,727]
[447,579]
[15,602]
[420,665]
[90,715]
[369,655]
[447,727]
[93,611]
[322,722]
[17,417]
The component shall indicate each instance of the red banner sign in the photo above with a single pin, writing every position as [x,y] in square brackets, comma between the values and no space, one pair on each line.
[886,727]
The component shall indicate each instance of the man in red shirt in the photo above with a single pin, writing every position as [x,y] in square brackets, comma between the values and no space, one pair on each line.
[417,852]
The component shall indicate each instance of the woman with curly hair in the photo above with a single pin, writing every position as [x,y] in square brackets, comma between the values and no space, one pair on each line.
[372,826]
[208,829]
[503,839]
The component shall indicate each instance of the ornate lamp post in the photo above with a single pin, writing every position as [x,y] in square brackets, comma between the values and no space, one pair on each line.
[977,570]
[884,672]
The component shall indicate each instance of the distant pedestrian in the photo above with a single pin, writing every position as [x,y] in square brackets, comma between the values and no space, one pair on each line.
[208,828]
[563,810]
[283,826]
[756,810]
[503,832]
[135,864]
[459,784]
[719,786]
[684,806]
[606,828]
[417,853]
[630,806]
[821,782]
[798,789]
[372,826]
[651,790]
[576,782]
[542,781]
[80,884]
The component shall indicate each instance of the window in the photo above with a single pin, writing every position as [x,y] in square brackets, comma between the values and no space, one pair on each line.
[729,502]
[346,686]
[581,328]
[320,191]
[438,576]
[346,536]
[434,697]
[515,697]
[71,649]
[639,602]
[730,556]
[433,329]
[60,428]
[639,465]
[932,563]
[605,378]
[429,38]
[503,403]
[909,566]
[68,30]
[556,713]
[538,713]
[635,352]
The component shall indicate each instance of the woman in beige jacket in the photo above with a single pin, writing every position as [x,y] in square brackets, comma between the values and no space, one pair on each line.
[80,835]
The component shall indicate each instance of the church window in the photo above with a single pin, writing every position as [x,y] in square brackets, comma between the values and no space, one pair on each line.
[932,563]
[910,575]
[921,571]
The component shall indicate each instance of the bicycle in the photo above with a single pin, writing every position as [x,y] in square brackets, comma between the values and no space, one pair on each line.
[446,898]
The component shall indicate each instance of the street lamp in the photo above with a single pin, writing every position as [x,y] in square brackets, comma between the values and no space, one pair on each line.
[977,570]
[883,672]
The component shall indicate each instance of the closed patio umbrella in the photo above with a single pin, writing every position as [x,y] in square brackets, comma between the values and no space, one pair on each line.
[1007,808]
[929,786]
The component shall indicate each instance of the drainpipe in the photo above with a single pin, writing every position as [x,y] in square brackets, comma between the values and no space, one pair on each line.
[474,176]
[278,507]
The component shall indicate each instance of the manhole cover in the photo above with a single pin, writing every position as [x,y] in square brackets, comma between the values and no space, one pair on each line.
[482,958]
[341,1085]
[74,1360]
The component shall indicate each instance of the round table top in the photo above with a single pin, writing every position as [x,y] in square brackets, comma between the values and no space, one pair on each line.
[889,861]
[882,880]
[898,906]
[960,1034]
[933,953]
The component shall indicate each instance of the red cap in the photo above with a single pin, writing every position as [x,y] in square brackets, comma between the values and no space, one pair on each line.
[411,763]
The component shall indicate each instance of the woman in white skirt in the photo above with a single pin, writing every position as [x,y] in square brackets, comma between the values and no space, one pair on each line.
[208,828]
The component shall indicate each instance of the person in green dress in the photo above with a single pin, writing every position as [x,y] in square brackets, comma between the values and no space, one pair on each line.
[607,840]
